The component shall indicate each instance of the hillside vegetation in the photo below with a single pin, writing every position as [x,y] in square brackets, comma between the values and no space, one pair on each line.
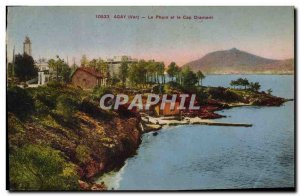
[57,135]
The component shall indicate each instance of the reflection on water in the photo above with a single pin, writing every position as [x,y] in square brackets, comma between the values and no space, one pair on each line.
[213,157]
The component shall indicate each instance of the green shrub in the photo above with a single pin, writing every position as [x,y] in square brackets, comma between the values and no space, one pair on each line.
[202,96]
[66,106]
[171,86]
[36,167]
[19,102]
[41,108]
[46,97]
[98,92]
[55,84]
[14,125]
[83,153]
[174,85]
[223,94]
[92,108]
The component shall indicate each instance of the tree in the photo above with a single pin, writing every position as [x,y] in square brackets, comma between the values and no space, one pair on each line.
[178,74]
[189,78]
[113,80]
[84,61]
[269,91]
[254,86]
[123,72]
[245,83]
[137,73]
[240,82]
[93,64]
[73,67]
[61,69]
[233,83]
[102,66]
[200,76]
[171,71]
[161,71]
[65,72]
[24,67]
[155,72]
[150,71]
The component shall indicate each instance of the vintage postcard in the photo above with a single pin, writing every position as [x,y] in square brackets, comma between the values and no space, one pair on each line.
[150,98]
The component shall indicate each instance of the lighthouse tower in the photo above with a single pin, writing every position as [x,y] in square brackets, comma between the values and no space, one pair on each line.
[27,46]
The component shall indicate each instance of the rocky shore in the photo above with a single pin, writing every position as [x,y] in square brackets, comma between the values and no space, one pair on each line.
[145,123]
[97,141]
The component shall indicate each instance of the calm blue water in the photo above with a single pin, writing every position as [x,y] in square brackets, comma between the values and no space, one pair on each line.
[212,157]
[282,85]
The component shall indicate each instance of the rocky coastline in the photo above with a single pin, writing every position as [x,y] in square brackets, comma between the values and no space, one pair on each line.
[98,141]
[205,116]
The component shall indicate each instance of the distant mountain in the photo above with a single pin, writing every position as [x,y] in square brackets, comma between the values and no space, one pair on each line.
[235,61]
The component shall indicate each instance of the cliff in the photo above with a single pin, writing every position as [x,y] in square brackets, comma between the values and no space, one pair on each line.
[91,140]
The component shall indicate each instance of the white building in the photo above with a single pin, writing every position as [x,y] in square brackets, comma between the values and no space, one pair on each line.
[114,64]
[44,71]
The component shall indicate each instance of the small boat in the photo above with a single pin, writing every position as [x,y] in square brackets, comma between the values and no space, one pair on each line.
[155,133]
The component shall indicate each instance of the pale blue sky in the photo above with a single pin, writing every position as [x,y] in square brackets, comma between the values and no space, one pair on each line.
[74,31]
